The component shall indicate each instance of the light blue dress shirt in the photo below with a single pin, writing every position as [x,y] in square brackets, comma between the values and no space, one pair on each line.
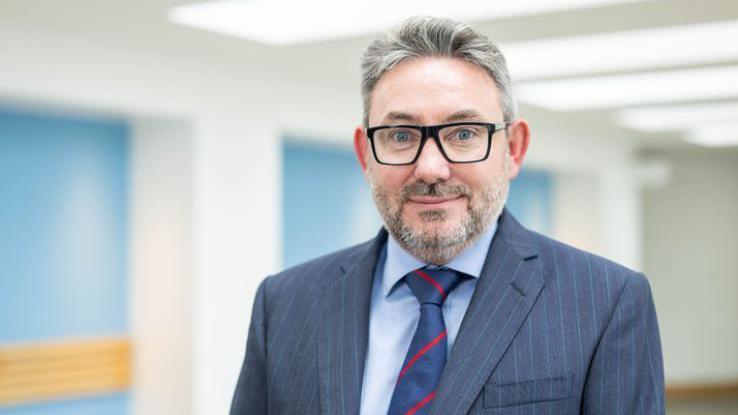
[395,313]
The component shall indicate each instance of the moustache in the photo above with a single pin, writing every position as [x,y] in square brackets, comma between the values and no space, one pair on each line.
[435,190]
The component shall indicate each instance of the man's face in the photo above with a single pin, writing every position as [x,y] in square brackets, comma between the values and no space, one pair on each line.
[435,208]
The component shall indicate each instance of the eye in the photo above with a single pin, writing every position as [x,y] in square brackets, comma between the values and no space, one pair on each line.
[464,134]
[401,136]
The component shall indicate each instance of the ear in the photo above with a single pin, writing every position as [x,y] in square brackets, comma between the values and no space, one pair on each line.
[361,146]
[518,140]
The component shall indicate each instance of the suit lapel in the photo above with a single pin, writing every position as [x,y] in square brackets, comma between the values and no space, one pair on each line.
[344,330]
[505,293]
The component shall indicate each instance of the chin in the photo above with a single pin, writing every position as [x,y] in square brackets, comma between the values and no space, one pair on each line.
[436,227]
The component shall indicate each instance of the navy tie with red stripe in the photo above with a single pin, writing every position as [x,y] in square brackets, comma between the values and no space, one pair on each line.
[426,356]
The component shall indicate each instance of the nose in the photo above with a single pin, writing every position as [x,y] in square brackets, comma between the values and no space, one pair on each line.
[431,166]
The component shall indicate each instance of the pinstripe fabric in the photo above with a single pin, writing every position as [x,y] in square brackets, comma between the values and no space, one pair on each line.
[549,330]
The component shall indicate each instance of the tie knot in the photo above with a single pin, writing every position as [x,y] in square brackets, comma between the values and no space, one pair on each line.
[432,285]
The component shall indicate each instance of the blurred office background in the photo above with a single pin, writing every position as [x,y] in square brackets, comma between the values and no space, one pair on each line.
[153,171]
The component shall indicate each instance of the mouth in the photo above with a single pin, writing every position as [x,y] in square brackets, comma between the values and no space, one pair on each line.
[433,201]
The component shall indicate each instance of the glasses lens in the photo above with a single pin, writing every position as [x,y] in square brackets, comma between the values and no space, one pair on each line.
[465,142]
[397,145]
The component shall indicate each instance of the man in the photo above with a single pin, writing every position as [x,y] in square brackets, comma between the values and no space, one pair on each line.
[455,308]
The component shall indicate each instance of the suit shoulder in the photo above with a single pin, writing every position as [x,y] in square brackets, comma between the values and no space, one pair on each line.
[314,270]
[559,257]
[291,289]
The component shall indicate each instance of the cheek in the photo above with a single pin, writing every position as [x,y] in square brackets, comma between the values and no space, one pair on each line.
[476,176]
[480,182]
[390,179]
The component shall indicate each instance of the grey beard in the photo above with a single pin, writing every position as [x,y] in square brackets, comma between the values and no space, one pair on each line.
[440,247]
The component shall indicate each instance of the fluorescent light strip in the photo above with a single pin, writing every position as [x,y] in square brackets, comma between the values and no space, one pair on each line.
[683,45]
[677,117]
[632,89]
[718,135]
[283,22]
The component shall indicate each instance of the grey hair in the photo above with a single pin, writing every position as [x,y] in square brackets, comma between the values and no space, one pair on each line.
[423,36]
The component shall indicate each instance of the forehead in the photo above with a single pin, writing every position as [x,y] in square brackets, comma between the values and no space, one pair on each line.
[429,90]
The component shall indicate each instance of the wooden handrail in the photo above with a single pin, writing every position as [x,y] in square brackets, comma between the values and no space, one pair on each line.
[703,390]
[37,372]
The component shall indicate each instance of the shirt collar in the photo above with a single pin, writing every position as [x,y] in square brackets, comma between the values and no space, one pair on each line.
[470,261]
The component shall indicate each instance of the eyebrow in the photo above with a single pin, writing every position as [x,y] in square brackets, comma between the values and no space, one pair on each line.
[395,116]
[399,116]
[464,115]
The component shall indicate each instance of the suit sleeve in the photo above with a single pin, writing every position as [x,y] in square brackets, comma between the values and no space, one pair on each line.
[626,375]
[250,397]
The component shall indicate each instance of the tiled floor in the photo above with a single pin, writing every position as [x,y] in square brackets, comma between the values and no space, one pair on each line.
[715,407]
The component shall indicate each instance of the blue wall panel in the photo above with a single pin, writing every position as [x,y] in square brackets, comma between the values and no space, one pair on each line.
[113,404]
[327,203]
[63,233]
[530,199]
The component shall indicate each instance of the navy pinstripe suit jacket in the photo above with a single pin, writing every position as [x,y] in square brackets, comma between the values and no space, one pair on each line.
[549,330]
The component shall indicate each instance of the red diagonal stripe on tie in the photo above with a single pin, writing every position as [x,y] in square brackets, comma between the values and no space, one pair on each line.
[421,352]
[421,404]
[432,282]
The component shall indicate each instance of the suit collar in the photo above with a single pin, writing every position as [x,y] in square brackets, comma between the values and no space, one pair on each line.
[519,238]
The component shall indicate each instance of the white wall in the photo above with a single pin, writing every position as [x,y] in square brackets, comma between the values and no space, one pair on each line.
[691,246]
[581,228]
[161,272]
[235,116]
[596,193]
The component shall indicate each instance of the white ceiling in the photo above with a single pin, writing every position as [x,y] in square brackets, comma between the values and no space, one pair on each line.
[144,24]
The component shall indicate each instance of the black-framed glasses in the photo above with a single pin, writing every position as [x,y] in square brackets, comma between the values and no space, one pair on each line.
[459,142]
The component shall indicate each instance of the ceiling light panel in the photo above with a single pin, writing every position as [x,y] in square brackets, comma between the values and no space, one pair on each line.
[283,22]
[719,135]
[677,117]
[632,89]
[683,45]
